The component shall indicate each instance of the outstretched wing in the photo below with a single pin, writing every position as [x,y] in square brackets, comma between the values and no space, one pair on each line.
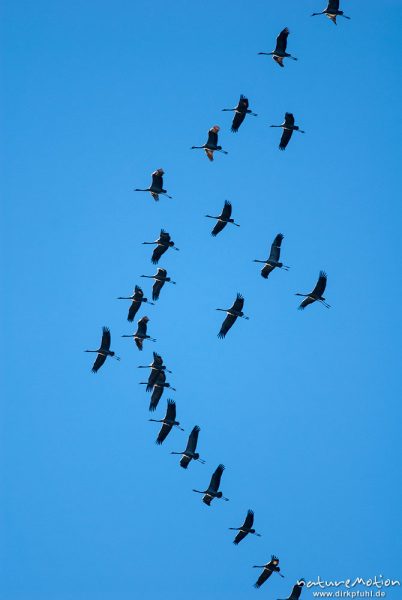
[249,520]
[238,303]
[226,210]
[105,343]
[158,360]
[157,181]
[185,461]
[193,439]
[289,120]
[157,253]
[226,325]
[216,478]
[139,342]
[207,499]
[239,537]
[218,227]
[142,327]
[333,5]
[132,311]
[320,285]
[156,396]
[266,270]
[306,302]
[100,359]
[152,379]
[171,410]
[286,135]
[275,253]
[163,433]
[164,236]
[156,289]
[282,40]
[212,138]
[238,120]
[266,574]
[138,293]
[297,590]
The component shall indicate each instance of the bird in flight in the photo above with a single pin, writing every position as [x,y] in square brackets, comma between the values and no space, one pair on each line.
[211,144]
[280,50]
[168,422]
[162,244]
[223,219]
[246,528]
[235,311]
[317,294]
[156,187]
[212,491]
[269,568]
[288,127]
[240,112]
[160,279]
[332,11]
[141,334]
[273,261]
[103,351]
[137,299]
[190,453]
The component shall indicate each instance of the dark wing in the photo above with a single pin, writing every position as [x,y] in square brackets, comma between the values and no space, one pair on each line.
[157,253]
[218,227]
[216,478]
[105,343]
[275,253]
[157,181]
[266,270]
[156,396]
[156,289]
[226,210]
[226,325]
[296,591]
[163,433]
[185,461]
[262,578]
[164,236]
[212,138]
[139,342]
[171,410]
[142,327]
[152,379]
[243,103]
[333,5]
[238,303]
[138,293]
[193,439]
[282,40]
[239,537]
[158,360]
[320,285]
[289,120]
[100,359]
[132,311]
[306,302]
[207,500]
[249,520]
[286,135]
[161,272]
[238,120]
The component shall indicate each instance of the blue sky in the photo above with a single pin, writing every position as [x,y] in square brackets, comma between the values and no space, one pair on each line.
[302,408]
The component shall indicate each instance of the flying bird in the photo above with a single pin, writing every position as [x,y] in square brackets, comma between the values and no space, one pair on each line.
[162,244]
[236,310]
[168,422]
[141,334]
[156,187]
[280,50]
[137,299]
[223,219]
[296,591]
[269,568]
[104,351]
[332,11]
[317,294]
[160,278]
[241,110]
[246,528]
[212,491]
[156,367]
[288,127]
[159,385]
[211,145]
[190,453]
[273,261]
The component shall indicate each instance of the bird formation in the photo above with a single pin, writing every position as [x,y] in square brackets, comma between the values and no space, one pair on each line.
[156,382]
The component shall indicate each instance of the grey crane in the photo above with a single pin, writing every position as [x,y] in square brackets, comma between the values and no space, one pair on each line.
[317,294]
[160,279]
[269,568]
[223,219]
[156,367]
[273,261]
[103,351]
[296,591]
[280,50]
[168,422]
[211,144]
[235,311]
[190,453]
[137,299]
[288,127]
[212,491]
[332,11]
[163,242]
[156,187]
[141,334]
[246,528]
[158,388]
[240,112]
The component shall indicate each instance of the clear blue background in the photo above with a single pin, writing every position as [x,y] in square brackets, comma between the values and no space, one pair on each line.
[304,409]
